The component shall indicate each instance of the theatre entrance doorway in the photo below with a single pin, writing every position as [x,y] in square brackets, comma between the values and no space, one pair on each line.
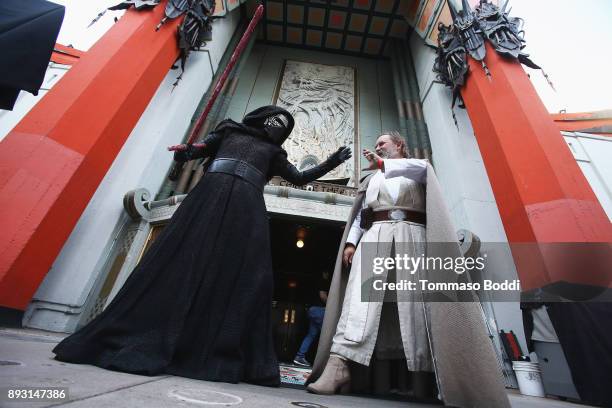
[303,257]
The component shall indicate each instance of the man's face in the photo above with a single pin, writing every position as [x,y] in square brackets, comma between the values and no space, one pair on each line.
[386,149]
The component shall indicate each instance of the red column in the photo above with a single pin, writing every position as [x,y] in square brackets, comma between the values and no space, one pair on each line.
[542,195]
[55,158]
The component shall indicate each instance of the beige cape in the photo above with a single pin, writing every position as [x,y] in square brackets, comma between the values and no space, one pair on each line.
[465,363]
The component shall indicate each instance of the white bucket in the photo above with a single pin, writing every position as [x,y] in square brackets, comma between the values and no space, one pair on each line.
[529,378]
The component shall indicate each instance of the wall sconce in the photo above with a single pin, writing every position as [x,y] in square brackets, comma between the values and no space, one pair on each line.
[300,236]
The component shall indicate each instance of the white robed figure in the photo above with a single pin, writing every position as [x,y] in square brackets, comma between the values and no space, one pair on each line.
[408,213]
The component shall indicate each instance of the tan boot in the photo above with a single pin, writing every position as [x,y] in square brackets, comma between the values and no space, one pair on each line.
[335,377]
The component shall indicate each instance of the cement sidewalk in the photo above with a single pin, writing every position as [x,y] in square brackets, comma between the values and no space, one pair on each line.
[26,360]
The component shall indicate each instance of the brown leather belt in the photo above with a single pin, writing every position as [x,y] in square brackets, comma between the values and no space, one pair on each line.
[400,215]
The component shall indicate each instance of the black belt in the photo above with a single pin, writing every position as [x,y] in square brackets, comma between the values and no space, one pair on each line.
[240,169]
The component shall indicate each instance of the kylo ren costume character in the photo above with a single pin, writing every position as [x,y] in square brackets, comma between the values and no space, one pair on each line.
[198,304]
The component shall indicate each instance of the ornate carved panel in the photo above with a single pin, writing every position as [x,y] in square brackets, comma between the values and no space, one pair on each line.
[322,99]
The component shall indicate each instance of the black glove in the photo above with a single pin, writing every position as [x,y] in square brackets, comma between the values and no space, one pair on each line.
[339,156]
[190,153]
[288,171]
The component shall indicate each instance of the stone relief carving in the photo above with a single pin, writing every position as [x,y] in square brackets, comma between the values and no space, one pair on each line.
[321,98]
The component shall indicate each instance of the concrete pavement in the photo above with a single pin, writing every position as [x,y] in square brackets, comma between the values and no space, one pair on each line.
[26,360]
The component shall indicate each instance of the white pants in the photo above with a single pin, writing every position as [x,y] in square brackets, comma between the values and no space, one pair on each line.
[358,326]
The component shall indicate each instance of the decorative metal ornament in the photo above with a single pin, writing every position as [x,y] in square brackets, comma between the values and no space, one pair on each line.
[174,9]
[469,31]
[138,4]
[505,33]
[467,36]
[451,64]
[195,30]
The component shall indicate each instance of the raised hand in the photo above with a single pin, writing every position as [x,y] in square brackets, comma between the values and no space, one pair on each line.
[340,156]
[184,155]
[372,158]
[186,152]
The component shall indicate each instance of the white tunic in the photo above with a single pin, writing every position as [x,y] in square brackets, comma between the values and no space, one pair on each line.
[400,186]
[395,170]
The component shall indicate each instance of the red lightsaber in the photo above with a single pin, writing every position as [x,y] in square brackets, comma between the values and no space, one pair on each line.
[235,55]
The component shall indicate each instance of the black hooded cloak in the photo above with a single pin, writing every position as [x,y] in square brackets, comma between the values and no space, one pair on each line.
[28,30]
[198,304]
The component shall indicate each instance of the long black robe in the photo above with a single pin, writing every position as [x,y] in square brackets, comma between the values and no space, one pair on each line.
[585,333]
[28,30]
[198,304]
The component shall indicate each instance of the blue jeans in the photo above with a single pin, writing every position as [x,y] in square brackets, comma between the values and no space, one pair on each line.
[315,315]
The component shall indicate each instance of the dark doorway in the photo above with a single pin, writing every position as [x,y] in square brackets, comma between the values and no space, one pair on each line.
[300,273]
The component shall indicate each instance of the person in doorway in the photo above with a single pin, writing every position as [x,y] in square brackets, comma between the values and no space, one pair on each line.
[443,344]
[315,318]
[198,303]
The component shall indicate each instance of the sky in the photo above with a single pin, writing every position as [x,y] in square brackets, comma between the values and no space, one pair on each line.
[570,39]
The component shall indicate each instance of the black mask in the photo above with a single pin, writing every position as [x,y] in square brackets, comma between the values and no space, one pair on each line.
[279,121]
[276,122]
[276,128]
